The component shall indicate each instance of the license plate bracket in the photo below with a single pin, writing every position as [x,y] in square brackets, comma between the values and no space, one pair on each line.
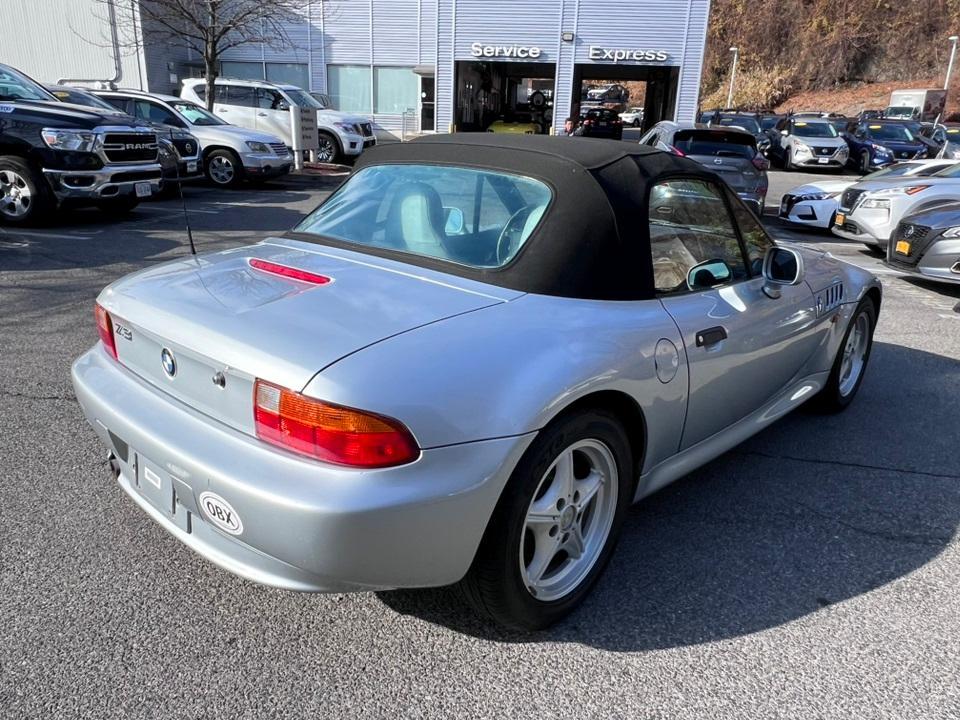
[143,189]
[902,247]
[155,485]
[823,161]
[840,219]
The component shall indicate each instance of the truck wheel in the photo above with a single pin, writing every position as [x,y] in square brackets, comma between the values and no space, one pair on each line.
[224,168]
[329,149]
[119,205]
[24,196]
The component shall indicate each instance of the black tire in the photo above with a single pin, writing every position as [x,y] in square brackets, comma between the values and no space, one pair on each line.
[494,586]
[636,123]
[330,150]
[787,162]
[223,168]
[865,162]
[34,199]
[118,206]
[832,399]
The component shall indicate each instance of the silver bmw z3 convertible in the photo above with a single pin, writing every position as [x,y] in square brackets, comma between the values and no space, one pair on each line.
[463,367]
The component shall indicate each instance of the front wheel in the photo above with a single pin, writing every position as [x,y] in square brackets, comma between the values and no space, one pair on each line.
[24,196]
[224,168]
[556,524]
[865,162]
[328,150]
[850,364]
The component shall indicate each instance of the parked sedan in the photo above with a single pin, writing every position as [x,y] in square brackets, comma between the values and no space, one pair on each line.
[731,153]
[870,211]
[877,143]
[927,244]
[801,142]
[464,366]
[815,204]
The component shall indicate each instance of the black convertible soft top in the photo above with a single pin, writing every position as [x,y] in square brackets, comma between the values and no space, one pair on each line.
[593,241]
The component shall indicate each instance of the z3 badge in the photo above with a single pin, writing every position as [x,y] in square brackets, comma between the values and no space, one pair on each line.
[122,331]
[221,513]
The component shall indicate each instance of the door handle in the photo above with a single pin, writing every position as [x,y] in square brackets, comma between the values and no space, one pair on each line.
[711,336]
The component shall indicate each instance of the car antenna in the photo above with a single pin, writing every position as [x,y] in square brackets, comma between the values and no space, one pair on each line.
[183,203]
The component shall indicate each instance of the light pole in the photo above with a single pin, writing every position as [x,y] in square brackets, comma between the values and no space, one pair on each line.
[953,53]
[733,73]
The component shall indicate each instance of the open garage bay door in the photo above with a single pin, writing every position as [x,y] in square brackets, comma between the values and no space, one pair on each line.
[625,87]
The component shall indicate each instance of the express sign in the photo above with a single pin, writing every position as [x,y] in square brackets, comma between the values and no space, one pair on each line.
[617,55]
[505,51]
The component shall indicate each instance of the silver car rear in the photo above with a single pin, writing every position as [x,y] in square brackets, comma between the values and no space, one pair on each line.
[731,154]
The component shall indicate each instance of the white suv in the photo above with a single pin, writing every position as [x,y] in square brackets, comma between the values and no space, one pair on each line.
[265,106]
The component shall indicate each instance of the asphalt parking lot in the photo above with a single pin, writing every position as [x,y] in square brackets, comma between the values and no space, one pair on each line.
[811,572]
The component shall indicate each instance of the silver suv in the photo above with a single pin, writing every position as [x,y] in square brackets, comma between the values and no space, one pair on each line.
[230,154]
[729,152]
[800,141]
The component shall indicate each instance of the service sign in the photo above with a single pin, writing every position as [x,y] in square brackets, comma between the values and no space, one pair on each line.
[303,128]
[521,52]
[616,55]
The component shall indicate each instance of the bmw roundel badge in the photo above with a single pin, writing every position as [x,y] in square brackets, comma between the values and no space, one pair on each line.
[169,362]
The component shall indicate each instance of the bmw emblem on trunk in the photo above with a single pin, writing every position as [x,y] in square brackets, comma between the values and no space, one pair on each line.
[169,362]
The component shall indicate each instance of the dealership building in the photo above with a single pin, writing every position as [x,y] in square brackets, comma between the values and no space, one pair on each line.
[420,65]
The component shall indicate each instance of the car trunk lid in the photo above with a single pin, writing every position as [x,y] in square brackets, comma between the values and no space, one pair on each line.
[728,153]
[202,329]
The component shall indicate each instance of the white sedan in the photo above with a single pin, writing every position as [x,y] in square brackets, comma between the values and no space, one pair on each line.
[815,204]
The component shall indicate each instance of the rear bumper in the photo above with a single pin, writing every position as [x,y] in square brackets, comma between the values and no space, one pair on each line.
[305,526]
[107,182]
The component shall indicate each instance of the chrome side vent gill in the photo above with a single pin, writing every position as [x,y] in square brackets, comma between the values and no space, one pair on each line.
[830,299]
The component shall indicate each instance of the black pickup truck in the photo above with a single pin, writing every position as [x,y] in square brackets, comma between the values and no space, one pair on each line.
[54,154]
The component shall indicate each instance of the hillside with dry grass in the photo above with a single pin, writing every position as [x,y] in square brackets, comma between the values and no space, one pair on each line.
[804,53]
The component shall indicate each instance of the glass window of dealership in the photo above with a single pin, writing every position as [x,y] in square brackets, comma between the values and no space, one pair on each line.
[448,65]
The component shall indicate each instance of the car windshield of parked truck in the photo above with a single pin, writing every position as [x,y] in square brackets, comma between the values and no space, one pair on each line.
[196,115]
[479,218]
[814,129]
[747,123]
[715,143]
[302,99]
[889,132]
[17,86]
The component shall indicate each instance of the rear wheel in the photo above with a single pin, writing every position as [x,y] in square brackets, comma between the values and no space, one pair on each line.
[556,524]
[224,168]
[850,364]
[24,196]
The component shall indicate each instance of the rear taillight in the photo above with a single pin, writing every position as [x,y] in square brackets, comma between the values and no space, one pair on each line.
[105,328]
[330,433]
[677,151]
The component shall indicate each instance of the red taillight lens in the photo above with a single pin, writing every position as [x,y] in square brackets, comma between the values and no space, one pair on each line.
[331,433]
[677,151]
[288,272]
[105,328]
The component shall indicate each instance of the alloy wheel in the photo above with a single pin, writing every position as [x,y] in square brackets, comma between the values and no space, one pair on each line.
[327,150]
[854,354]
[222,170]
[568,520]
[15,195]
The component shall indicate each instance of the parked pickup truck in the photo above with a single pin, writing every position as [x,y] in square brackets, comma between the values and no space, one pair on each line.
[54,154]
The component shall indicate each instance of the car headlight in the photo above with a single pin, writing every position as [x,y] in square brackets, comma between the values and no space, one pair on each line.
[953,232]
[819,196]
[258,147]
[843,150]
[880,149]
[802,149]
[76,140]
[875,204]
[165,150]
[347,128]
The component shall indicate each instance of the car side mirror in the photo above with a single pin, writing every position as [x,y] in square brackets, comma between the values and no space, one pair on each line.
[284,106]
[781,266]
[452,220]
[708,274]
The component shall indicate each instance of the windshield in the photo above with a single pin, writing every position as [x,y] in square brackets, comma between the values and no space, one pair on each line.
[470,217]
[302,99]
[814,129]
[196,115]
[747,123]
[324,100]
[889,132]
[768,121]
[78,97]
[896,171]
[17,86]
[950,171]
[900,111]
